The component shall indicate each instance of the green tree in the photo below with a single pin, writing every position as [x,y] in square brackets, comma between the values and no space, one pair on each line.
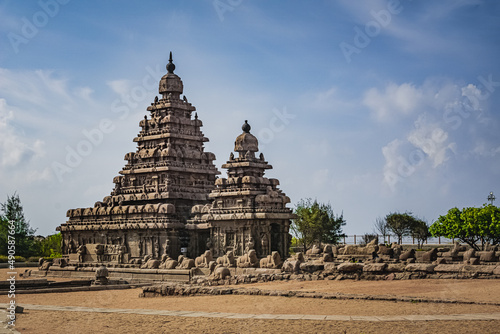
[420,231]
[400,224]
[316,223]
[51,246]
[12,211]
[473,226]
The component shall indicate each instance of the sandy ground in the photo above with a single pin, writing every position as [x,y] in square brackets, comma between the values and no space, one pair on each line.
[79,322]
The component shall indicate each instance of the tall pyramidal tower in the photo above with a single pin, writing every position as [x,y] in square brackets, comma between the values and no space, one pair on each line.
[163,179]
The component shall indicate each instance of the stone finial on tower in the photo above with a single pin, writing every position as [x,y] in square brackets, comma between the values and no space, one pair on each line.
[246,142]
[170,65]
[170,83]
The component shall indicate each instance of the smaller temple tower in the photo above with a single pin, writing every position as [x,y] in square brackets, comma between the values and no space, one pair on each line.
[248,211]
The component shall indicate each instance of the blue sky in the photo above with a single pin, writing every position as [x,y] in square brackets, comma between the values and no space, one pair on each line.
[373,106]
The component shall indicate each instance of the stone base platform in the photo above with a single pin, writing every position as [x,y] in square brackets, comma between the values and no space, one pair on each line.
[131,275]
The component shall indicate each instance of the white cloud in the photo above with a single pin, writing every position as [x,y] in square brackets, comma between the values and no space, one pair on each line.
[396,100]
[393,169]
[121,87]
[432,140]
[84,93]
[484,149]
[14,147]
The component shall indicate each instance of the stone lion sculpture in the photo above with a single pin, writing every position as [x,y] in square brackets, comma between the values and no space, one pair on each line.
[248,260]
[227,260]
[167,262]
[218,271]
[471,253]
[150,263]
[409,254]
[272,261]
[185,262]
[44,264]
[315,250]
[292,265]
[430,255]
[204,259]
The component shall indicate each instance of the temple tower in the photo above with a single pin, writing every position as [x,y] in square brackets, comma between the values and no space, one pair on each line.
[163,179]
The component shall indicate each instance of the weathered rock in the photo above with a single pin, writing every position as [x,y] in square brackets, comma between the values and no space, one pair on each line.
[409,254]
[348,267]
[488,256]
[327,257]
[291,266]
[415,267]
[430,255]
[315,250]
[496,271]
[311,267]
[374,267]
[448,268]
[384,250]
[479,269]
[329,267]
[395,267]
[469,254]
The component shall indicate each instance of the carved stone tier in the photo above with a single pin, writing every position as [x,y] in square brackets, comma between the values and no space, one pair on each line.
[247,211]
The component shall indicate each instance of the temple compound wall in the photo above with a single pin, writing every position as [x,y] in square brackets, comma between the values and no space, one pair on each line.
[168,200]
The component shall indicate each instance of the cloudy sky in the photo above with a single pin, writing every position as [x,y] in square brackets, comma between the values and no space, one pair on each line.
[372,106]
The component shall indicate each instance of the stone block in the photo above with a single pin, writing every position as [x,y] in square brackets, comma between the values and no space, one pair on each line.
[395,267]
[496,271]
[350,267]
[311,267]
[481,269]
[448,268]
[330,267]
[415,267]
[374,267]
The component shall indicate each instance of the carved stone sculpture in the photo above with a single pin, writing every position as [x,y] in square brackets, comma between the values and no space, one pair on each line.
[430,255]
[81,251]
[227,260]
[272,261]
[185,263]
[204,259]
[248,260]
[167,262]
[218,272]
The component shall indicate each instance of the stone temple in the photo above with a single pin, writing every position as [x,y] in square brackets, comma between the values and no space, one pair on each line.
[168,199]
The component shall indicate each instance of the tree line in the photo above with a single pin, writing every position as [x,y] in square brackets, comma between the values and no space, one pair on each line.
[315,223]
[25,242]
